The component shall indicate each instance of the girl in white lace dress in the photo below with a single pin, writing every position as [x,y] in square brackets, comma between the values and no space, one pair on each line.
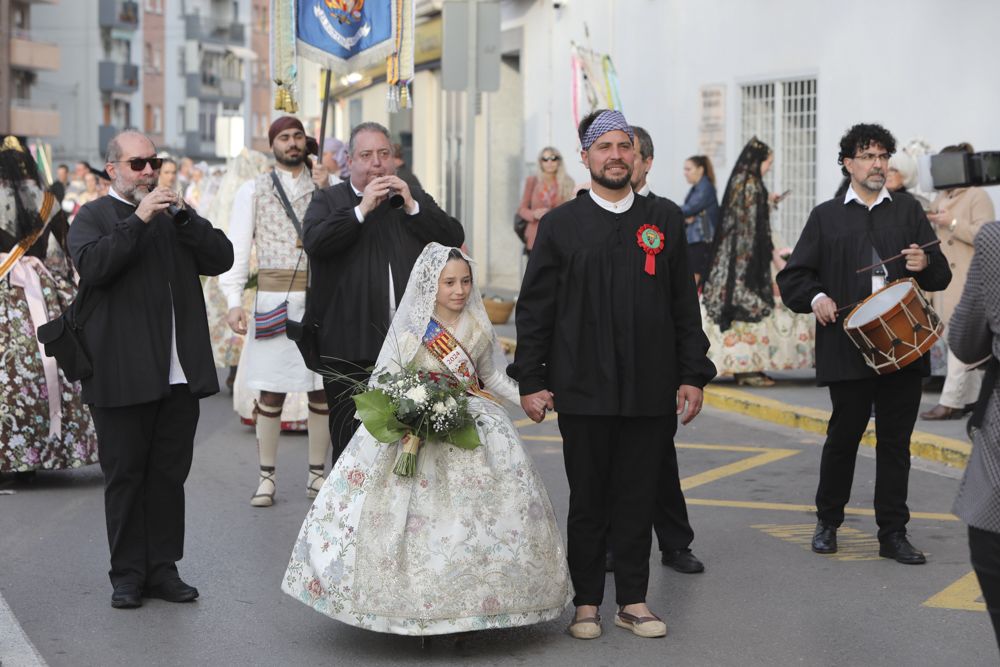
[469,542]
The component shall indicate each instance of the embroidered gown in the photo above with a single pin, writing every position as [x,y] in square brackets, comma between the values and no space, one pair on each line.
[470,542]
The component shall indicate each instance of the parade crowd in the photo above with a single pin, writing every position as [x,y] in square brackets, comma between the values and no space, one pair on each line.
[322,278]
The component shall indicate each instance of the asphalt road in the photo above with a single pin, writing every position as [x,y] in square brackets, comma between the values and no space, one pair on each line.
[765,599]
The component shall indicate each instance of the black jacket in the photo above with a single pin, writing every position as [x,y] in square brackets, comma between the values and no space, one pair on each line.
[349,262]
[594,328]
[136,272]
[837,241]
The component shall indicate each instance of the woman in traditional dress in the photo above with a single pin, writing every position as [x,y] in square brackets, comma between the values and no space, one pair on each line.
[749,328]
[469,542]
[43,424]
[544,191]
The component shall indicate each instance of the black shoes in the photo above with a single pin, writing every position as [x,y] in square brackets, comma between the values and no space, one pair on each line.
[825,538]
[897,547]
[173,590]
[126,596]
[683,561]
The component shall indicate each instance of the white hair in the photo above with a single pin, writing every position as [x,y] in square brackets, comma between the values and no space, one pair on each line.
[906,166]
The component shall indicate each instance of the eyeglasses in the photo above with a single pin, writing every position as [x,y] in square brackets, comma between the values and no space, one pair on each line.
[139,163]
[551,158]
[871,157]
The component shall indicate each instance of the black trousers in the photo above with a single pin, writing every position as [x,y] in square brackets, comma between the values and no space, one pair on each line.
[896,398]
[670,517]
[613,467]
[338,396]
[984,551]
[145,452]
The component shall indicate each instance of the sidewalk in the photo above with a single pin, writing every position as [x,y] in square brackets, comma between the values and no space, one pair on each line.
[796,401]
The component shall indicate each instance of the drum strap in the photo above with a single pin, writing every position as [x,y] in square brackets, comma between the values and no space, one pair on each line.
[878,273]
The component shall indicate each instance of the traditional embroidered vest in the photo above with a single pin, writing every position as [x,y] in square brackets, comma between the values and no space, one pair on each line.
[274,233]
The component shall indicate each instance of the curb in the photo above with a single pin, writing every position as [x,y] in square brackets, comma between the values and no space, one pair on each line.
[927,446]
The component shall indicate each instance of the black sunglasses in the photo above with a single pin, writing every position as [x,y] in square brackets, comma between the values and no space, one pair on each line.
[551,158]
[139,163]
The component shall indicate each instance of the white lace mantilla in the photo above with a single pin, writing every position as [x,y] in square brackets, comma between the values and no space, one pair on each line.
[470,542]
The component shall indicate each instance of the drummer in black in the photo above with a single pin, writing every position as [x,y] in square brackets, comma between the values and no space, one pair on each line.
[841,236]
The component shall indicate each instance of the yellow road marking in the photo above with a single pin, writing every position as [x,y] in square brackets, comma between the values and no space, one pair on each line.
[963,594]
[790,507]
[852,544]
[926,445]
[521,423]
[767,455]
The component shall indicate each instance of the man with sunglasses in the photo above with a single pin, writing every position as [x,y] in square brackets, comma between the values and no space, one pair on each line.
[144,325]
[843,235]
[266,215]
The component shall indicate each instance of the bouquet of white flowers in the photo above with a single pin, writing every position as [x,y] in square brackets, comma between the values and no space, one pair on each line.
[414,405]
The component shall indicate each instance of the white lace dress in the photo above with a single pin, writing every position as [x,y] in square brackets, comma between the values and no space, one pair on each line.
[470,542]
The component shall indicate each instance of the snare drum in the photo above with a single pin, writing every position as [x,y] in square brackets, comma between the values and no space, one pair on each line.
[893,327]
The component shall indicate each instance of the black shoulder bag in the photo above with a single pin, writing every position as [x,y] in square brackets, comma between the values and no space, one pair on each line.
[304,333]
[63,336]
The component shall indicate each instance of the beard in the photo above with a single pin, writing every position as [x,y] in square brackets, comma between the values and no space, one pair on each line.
[134,192]
[613,183]
[873,182]
[283,158]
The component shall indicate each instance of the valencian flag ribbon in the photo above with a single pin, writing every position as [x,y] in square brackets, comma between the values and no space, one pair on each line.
[650,239]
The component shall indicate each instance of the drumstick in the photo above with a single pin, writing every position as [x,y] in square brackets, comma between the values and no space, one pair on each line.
[899,256]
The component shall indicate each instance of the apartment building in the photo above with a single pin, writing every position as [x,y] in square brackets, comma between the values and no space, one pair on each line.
[24,54]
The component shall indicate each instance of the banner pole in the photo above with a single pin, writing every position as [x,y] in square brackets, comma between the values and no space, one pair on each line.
[322,122]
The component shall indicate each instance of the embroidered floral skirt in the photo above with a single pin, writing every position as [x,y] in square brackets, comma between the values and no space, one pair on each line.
[27,439]
[782,341]
[469,542]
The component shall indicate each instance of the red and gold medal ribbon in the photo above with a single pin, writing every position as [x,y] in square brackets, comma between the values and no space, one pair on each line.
[650,239]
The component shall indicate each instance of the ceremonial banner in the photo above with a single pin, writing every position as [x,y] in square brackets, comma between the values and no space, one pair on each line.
[347,35]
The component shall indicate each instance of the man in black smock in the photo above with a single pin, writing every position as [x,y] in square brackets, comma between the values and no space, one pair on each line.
[361,251]
[609,334]
[152,357]
[841,236]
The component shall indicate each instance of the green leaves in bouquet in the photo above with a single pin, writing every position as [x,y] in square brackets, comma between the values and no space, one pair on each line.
[377,414]
[465,437]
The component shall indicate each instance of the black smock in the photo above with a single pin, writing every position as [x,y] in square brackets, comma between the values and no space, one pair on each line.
[837,241]
[141,275]
[598,331]
[349,260]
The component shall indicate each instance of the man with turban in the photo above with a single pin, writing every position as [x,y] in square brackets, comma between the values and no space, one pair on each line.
[609,335]
[267,214]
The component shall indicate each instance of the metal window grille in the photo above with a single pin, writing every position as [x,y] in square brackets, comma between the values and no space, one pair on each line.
[782,114]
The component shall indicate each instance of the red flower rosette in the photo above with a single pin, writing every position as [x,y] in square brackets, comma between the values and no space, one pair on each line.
[651,241]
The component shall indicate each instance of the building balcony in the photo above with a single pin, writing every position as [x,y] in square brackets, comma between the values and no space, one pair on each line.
[31,121]
[121,14]
[115,77]
[210,88]
[104,135]
[26,53]
[199,29]
[198,148]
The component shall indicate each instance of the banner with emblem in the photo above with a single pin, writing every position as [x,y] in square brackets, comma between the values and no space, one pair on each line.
[347,35]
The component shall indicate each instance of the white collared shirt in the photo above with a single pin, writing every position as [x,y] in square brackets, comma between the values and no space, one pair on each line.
[620,206]
[176,375]
[644,190]
[878,282]
[853,196]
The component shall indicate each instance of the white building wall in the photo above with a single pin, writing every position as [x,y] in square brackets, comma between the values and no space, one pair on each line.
[73,88]
[922,68]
